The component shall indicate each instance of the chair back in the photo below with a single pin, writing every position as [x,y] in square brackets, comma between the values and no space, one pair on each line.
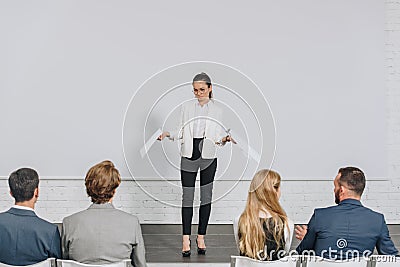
[50,262]
[71,263]
[384,261]
[316,261]
[289,261]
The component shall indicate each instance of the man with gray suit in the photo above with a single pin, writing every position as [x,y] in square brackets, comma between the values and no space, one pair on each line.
[103,234]
[24,237]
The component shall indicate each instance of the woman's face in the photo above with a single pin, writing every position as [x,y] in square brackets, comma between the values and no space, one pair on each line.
[201,90]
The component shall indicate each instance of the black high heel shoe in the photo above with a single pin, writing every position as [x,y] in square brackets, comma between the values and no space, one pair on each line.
[200,251]
[187,253]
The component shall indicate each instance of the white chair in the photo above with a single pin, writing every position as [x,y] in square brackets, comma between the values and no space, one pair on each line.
[71,263]
[384,261]
[316,261]
[51,262]
[289,261]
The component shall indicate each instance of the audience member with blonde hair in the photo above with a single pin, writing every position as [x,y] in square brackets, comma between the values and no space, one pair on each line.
[103,234]
[263,231]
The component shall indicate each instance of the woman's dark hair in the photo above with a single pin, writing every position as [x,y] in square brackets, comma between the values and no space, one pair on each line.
[203,77]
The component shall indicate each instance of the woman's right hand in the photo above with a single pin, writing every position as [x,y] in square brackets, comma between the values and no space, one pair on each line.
[163,135]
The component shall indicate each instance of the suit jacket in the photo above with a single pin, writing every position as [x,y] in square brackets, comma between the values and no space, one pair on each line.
[214,132]
[27,239]
[103,234]
[344,228]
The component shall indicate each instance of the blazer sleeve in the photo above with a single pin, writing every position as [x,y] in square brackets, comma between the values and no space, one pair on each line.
[236,231]
[309,239]
[219,129]
[55,248]
[178,132]
[64,241]
[385,245]
[288,235]
[138,253]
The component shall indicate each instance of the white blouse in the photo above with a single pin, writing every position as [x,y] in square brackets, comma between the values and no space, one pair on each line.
[200,118]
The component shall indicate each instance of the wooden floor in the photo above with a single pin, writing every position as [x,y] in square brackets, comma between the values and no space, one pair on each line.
[163,245]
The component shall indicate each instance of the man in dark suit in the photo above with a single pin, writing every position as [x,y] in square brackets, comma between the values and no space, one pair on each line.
[349,229]
[24,237]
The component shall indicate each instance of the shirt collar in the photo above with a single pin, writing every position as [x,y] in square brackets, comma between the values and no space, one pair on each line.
[107,205]
[264,214]
[205,105]
[351,201]
[22,207]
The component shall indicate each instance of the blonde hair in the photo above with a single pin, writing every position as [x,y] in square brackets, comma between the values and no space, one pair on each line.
[263,196]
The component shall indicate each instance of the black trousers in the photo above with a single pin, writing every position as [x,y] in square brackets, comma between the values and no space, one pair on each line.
[189,169]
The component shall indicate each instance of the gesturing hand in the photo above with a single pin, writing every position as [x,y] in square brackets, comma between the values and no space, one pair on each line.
[301,231]
[163,135]
[228,138]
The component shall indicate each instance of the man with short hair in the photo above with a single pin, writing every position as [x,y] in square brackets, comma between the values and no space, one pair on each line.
[24,237]
[348,229]
[103,234]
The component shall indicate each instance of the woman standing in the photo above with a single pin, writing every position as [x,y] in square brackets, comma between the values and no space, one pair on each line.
[263,231]
[200,132]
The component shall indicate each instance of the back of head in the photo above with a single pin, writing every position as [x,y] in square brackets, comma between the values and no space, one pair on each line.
[262,196]
[263,190]
[23,183]
[101,181]
[353,178]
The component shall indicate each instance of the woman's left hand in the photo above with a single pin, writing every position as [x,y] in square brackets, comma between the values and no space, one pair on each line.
[228,138]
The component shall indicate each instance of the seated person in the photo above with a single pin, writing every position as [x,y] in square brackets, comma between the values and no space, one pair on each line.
[24,237]
[102,234]
[348,229]
[263,231]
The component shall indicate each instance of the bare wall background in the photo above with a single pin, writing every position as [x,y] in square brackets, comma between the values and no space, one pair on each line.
[330,72]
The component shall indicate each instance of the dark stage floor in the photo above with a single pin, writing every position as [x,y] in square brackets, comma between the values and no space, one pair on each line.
[163,245]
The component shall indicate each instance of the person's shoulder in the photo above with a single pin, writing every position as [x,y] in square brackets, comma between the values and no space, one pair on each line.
[189,103]
[215,108]
[290,224]
[370,210]
[290,221]
[44,224]
[8,218]
[215,104]
[326,212]
[235,223]
[325,209]
[372,213]
[75,217]
[126,216]
[4,213]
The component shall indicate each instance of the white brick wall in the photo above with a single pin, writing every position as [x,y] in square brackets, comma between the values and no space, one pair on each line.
[390,191]
[61,197]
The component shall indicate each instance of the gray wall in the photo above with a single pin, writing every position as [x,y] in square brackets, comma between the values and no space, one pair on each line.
[70,68]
